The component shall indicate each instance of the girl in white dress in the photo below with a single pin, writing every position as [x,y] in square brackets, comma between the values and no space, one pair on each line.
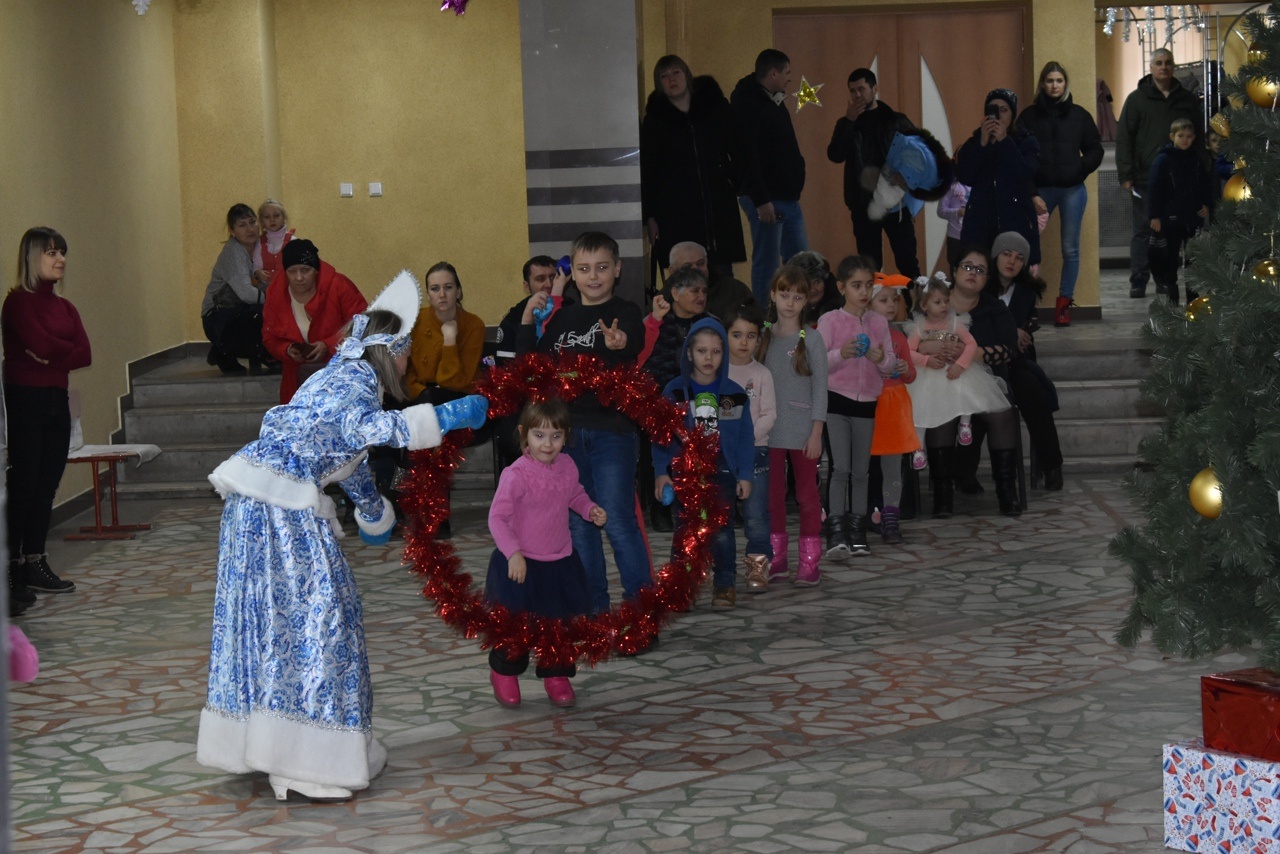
[944,390]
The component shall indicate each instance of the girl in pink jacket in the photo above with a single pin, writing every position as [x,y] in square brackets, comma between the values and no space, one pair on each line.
[534,567]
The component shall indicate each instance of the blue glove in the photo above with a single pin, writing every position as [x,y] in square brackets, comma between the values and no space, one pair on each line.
[377,539]
[668,495]
[540,316]
[861,344]
[564,265]
[465,413]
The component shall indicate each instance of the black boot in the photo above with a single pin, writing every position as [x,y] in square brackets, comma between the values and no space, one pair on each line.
[838,537]
[1004,469]
[20,596]
[857,539]
[940,468]
[39,576]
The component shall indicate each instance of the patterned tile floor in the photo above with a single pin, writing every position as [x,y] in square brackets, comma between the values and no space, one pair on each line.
[959,693]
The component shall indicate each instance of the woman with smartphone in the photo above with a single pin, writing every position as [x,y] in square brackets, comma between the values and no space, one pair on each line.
[999,162]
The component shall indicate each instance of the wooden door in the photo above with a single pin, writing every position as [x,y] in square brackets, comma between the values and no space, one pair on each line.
[934,65]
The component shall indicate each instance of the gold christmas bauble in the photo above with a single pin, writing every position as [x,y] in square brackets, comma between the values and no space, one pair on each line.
[1220,125]
[1198,308]
[1236,189]
[1240,163]
[1255,55]
[1263,92]
[1206,494]
[1267,272]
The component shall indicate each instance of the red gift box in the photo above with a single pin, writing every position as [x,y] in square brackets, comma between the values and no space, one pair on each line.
[1241,712]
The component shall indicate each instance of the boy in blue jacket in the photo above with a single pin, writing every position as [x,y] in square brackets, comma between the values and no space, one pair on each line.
[713,404]
[1178,197]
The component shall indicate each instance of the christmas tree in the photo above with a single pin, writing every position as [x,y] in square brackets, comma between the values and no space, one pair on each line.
[1205,564]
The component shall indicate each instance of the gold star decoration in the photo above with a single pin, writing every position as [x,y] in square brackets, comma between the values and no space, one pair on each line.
[807,94]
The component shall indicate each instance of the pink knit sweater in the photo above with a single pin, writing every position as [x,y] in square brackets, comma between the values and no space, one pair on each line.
[530,510]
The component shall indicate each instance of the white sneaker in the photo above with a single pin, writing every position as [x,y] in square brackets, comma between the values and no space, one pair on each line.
[919,460]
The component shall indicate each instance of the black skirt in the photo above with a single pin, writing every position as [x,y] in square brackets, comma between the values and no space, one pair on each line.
[556,588]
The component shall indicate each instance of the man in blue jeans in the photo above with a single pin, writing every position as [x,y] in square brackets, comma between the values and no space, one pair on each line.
[773,175]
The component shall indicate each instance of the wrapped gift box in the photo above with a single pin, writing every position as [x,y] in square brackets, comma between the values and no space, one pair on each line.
[1241,712]
[1219,802]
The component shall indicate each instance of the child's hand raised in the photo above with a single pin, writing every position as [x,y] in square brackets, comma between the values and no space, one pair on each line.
[614,338]
[536,302]
[516,568]
[598,516]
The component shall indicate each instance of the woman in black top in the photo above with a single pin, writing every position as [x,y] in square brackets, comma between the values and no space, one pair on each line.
[1032,390]
[991,325]
[1070,150]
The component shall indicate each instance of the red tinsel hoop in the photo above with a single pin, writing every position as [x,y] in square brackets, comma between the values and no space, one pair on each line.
[624,629]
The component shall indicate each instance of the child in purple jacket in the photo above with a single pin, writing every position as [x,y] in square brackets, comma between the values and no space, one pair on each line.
[534,567]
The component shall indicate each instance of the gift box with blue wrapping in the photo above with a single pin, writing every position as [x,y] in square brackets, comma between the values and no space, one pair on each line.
[1217,802]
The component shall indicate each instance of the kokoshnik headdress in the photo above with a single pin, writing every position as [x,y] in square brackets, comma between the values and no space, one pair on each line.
[402,298]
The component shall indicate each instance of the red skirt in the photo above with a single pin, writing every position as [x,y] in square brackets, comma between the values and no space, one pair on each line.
[895,430]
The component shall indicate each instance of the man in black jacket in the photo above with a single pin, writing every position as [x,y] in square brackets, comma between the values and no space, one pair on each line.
[860,141]
[773,171]
[1142,131]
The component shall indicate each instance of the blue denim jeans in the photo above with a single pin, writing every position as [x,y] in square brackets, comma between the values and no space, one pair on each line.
[724,551]
[1072,201]
[606,463]
[773,244]
[755,510]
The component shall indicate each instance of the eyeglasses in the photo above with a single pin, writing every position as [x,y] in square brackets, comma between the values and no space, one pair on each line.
[974,268]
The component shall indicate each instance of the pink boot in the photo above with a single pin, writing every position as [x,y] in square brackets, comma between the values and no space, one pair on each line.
[808,575]
[506,689]
[778,566]
[560,691]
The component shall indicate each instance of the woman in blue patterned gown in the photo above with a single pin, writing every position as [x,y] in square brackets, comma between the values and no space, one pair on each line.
[289,689]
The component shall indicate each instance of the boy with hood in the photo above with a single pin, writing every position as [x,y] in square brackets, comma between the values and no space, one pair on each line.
[713,404]
[1178,197]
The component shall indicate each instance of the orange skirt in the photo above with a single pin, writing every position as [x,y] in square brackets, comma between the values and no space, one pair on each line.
[895,430]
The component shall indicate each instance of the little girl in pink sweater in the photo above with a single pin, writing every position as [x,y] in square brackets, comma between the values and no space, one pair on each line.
[534,567]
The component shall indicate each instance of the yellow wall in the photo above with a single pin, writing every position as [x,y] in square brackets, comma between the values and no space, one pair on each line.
[222,119]
[723,39]
[89,146]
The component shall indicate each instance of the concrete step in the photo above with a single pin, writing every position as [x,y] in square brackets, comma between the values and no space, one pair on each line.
[1063,364]
[1101,438]
[152,391]
[168,490]
[179,462]
[220,424]
[1117,398]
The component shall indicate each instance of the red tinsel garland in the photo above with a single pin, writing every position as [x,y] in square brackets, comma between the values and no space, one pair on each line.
[625,629]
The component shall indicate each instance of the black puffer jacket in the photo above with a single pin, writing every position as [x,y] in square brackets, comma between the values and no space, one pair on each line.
[861,143]
[1070,145]
[774,165]
[689,172]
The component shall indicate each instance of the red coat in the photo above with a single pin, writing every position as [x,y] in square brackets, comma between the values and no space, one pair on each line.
[330,308]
